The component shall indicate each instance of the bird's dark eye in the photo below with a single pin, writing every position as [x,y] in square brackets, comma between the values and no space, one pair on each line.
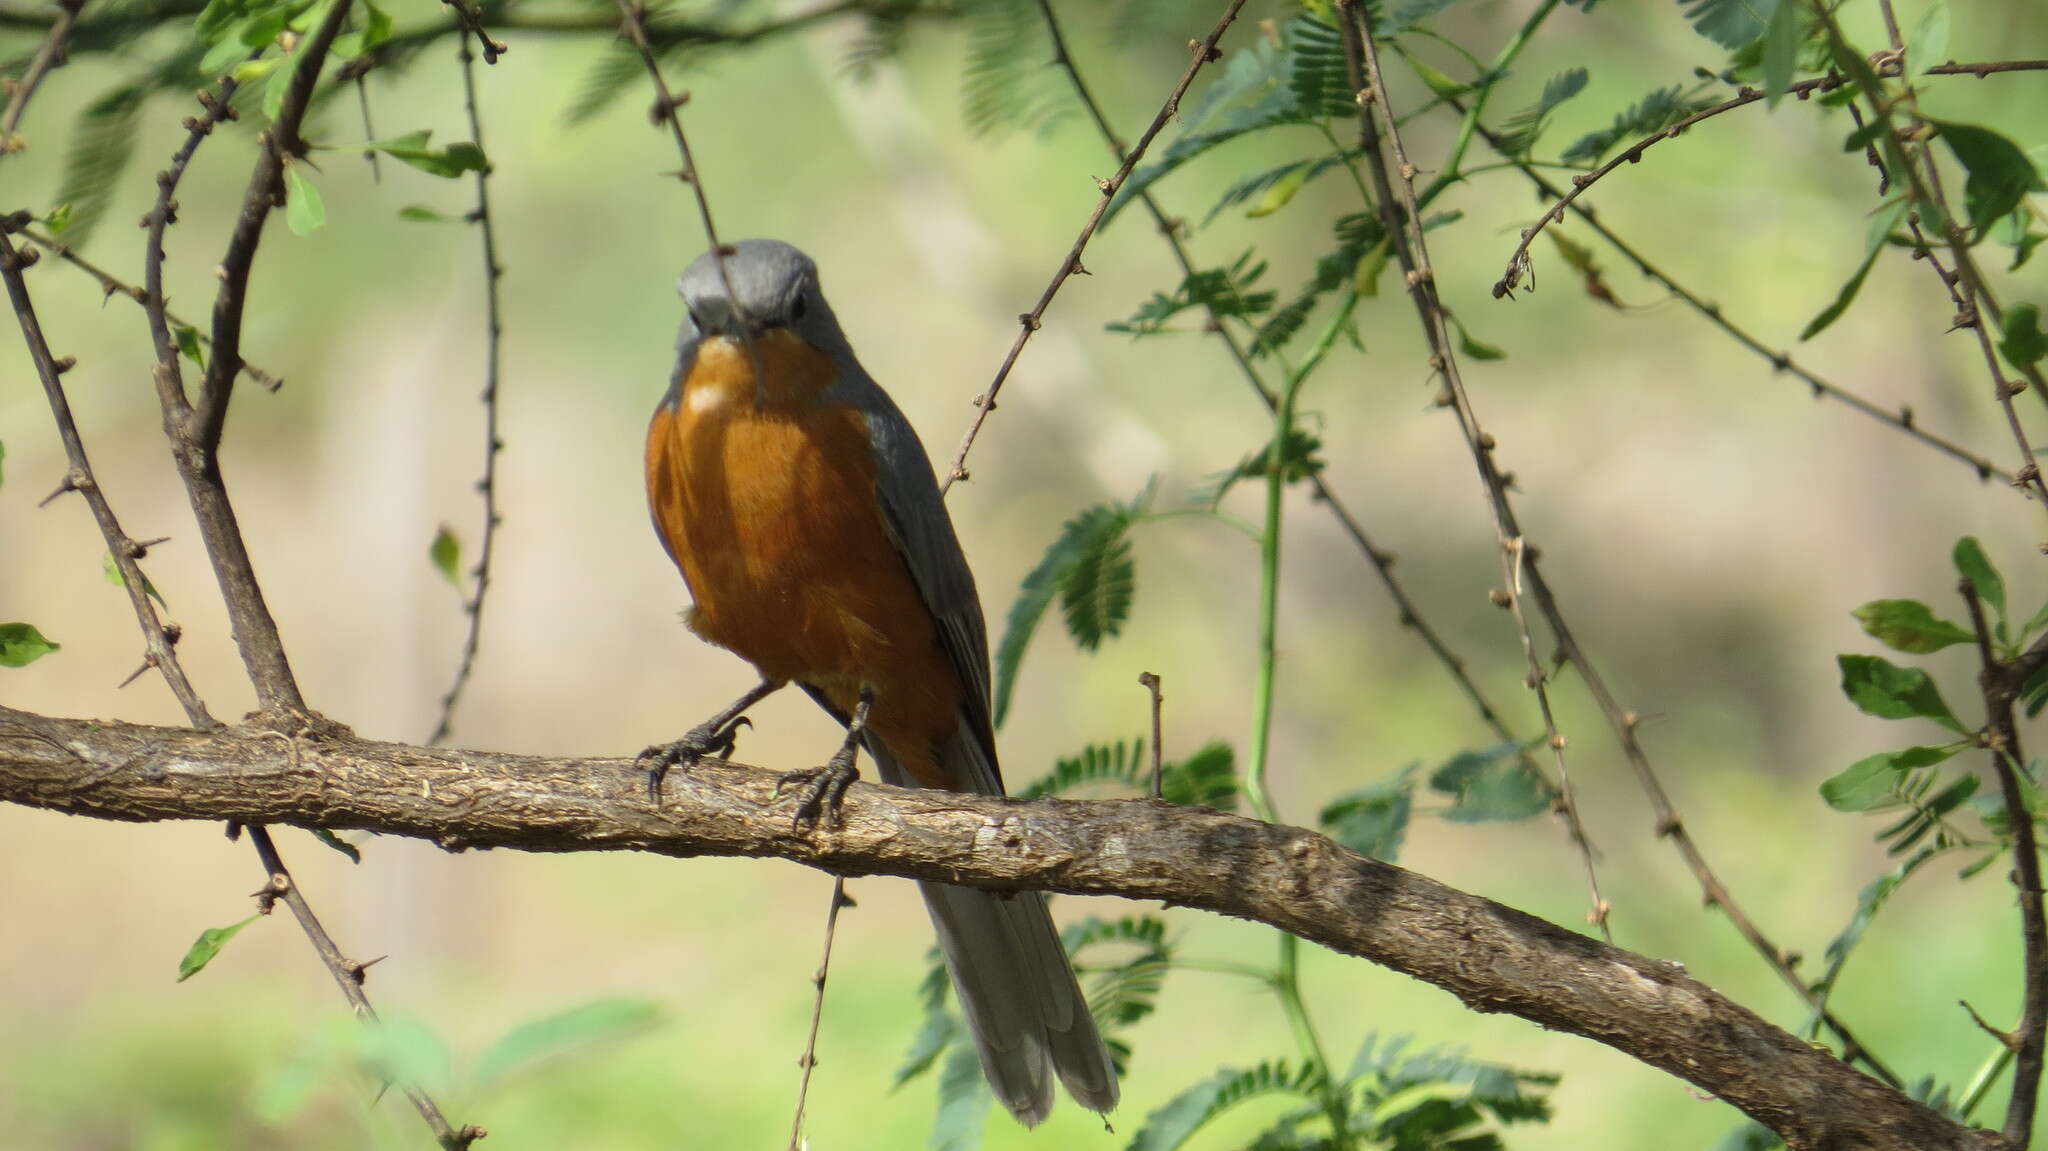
[796,306]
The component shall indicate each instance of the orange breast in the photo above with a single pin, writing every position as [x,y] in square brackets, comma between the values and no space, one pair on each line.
[771,513]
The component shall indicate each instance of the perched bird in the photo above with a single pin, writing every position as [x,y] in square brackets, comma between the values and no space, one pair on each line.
[804,516]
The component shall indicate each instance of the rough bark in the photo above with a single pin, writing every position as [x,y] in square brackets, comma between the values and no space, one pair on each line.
[1494,958]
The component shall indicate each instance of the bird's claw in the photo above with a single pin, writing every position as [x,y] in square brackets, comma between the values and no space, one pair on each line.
[706,739]
[824,789]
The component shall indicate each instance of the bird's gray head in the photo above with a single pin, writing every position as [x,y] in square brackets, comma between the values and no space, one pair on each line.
[773,285]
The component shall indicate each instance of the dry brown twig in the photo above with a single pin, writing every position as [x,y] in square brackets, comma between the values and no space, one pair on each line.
[473,605]
[49,55]
[194,431]
[1382,561]
[1202,52]
[1413,257]
[112,285]
[2001,682]
[1413,252]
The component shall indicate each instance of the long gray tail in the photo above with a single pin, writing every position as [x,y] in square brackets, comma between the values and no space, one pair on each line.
[1026,1011]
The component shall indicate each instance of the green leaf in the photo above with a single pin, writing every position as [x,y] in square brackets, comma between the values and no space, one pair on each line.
[275,87]
[1972,565]
[1174,1124]
[2024,344]
[1491,783]
[188,343]
[1207,778]
[1005,85]
[403,1051]
[1295,77]
[1120,993]
[1881,688]
[2000,175]
[446,555]
[1872,783]
[963,1102]
[1300,459]
[1474,348]
[214,19]
[1654,112]
[448,162]
[21,645]
[1259,184]
[1437,82]
[1782,41]
[59,219]
[1095,596]
[112,572]
[941,1026]
[1372,820]
[425,214]
[1732,23]
[1868,903]
[1519,132]
[1928,44]
[375,31]
[1280,193]
[599,1021]
[304,211]
[226,52]
[207,946]
[1909,625]
[1090,570]
[1119,763]
[250,71]
[1880,230]
[336,842]
[1227,291]
[102,140]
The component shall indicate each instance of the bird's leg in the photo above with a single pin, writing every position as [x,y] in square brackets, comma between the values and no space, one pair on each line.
[825,787]
[714,736]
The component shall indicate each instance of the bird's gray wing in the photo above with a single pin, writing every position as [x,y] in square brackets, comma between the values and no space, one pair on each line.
[915,515]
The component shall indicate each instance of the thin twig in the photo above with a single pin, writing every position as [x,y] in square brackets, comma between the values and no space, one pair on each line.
[668,107]
[348,975]
[1362,59]
[1381,560]
[809,1059]
[1150,682]
[472,24]
[1967,285]
[114,286]
[362,84]
[1518,262]
[1902,419]
[159,638]
[2001,688]
[488,485]
[1514,553]
[195,433]
[49,55]
[1625,721]
[1203,51]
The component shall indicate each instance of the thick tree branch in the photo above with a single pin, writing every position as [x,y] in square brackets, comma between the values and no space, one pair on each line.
[1492,957]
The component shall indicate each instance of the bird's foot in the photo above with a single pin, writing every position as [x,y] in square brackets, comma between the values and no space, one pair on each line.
[824,788]
[714,737]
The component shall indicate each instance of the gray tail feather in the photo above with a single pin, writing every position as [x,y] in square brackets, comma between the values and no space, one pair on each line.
[1017,990]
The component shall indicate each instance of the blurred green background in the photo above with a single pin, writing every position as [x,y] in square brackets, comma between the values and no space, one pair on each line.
[1709,526]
